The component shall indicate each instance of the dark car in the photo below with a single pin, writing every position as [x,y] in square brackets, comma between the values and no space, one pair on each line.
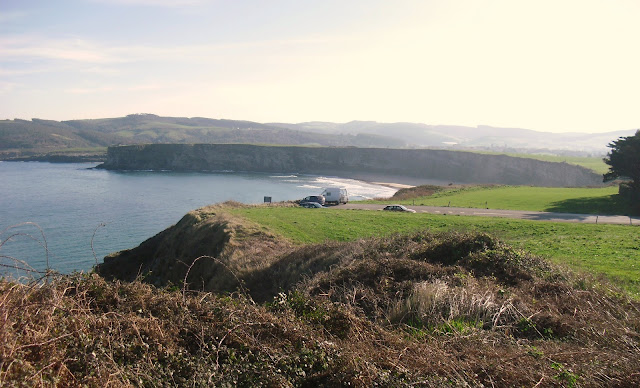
[398,208]
[313,199]
[311,205]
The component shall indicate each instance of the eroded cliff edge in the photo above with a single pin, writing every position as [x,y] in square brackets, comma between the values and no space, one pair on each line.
[397,165]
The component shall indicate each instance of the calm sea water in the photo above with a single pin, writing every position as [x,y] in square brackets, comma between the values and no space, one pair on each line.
[65,205]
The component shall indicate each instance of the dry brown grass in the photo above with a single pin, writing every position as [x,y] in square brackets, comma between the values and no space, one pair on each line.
[237,245]
[502,315]
[83,330]
[418,191]
[428,190]
[244,308]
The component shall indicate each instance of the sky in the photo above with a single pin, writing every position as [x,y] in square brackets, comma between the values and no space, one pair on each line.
[546,65]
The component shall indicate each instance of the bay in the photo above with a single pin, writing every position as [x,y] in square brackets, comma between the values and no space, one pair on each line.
[81,214]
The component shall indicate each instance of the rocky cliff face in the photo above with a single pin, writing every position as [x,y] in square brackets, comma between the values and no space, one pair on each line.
[393,164]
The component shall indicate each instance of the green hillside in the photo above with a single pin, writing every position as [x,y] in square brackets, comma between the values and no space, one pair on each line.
[47,136]
[24,138]
[581,200]
[44,135]
[591,162]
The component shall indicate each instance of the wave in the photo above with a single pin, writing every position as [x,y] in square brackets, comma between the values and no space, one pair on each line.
[309,186]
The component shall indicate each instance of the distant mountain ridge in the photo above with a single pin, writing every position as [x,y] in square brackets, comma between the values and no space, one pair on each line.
[482,137]
[23,137]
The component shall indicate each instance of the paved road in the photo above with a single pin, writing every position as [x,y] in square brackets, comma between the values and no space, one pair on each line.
[525,215]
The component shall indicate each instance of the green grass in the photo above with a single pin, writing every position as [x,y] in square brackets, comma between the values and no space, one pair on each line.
[601,200]
[610,250]
[158,125]
[125,133]
[591,162]
[82,149]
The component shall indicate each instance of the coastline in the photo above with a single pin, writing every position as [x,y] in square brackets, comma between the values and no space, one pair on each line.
[392,185]
[395,181]
[56,158]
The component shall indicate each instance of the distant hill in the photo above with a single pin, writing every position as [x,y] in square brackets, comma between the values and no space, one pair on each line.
[22,137]
[47,135]
[25,138]
[481,137]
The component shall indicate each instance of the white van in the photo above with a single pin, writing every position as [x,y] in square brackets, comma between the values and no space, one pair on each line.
[335,195]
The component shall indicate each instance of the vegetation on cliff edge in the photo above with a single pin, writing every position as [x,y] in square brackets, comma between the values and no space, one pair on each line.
[609,251]
[426,309]
[244,307]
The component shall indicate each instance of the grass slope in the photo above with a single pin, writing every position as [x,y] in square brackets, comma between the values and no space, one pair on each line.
[601,200]
[610,250]
[593,163]
[40,136]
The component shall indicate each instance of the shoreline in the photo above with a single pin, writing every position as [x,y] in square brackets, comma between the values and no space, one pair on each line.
[398,182]
[392,185]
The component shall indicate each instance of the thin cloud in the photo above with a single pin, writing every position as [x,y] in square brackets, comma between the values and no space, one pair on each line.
[148,87]
[89,90]
[100,70]
[22,71]
[22,48]
[7,87]
[152,3]
[141,87]
[25,48]
[6,17]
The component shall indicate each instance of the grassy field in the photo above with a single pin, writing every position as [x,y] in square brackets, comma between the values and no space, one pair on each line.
[593,163]
[81,150]
[609,250]
[602,200]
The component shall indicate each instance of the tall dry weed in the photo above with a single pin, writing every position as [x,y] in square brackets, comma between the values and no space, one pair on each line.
[435,302]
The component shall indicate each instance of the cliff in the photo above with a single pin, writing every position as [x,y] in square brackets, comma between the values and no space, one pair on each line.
[415,165]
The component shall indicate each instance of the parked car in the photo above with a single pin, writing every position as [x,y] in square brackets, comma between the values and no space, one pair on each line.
[398,208]
[311,205]
[313,199]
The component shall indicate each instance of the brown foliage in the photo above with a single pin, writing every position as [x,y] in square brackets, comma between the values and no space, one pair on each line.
[446,309]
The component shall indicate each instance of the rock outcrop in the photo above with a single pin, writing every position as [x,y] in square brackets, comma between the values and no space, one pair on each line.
[208,244]
[396,165]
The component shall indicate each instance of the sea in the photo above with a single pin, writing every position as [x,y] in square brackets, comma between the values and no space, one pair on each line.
[67,216]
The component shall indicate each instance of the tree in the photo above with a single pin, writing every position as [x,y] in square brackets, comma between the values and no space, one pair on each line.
[624,162]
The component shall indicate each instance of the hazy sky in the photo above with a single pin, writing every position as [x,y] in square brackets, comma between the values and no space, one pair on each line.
[558,65]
